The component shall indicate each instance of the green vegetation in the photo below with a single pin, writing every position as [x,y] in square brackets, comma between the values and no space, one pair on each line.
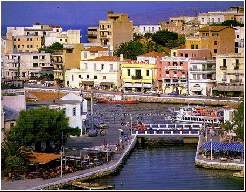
[35,127]
[161,41]
[54,47]
[237,124]
[232,23]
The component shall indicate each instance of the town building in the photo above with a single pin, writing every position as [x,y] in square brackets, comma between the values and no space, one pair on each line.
[26,66]
[154,58]
[138,76]
[239,40]
[219,39]
[142,29]
[57,60]
[117,29]
[100,72]
[201,77]
[92,34]
[71,55]
[230,74]
[192,53]
[184,25]
[174,74]
[94,52]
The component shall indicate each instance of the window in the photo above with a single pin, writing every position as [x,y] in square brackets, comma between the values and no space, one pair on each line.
[81,108]
[192,46]
[14,46]
[224,62]
[147,72]
[65,40]
[104,77]
[175,72]
[74,111]
[128,72]
[79,76]
[35,64]
[14,39]
[144,28]
[85,54]
[30,39]
[60,39]
[196,46]
[27,39]
[236,50]
[87,76]
[111,67]
[218,19]
[42,57]
[72,78]
[86,67]
[212,20]
[202,19]
[18,39]
[215,42]
[174,54]
[18,46]
[215,50]
[30,46]
[95,77]
[236,44]
[181,54]
[27,46]
[186,54]
[95,66]
[153,29]
[12,125]
[237,36]
[102,66]
[23,74]
[35,57]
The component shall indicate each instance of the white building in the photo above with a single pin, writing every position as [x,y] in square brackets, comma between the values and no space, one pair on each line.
[201,77]
[26,65]
[239,40]
[101,72]
[75,108]
[142,29]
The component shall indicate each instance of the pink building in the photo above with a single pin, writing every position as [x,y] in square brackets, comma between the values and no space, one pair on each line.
[194,53]
[174,74]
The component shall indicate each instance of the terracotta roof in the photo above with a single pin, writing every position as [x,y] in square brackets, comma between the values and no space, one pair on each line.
[153,54]
[43,158]
[213,28]
[106,58]
[43,95]
[96,49]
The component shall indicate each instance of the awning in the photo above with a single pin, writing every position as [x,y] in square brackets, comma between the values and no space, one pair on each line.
[87,83]
[107,83]
[233,147]
[138,85]
[43,158]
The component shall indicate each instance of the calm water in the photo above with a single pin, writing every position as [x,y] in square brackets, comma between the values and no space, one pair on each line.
[170,167]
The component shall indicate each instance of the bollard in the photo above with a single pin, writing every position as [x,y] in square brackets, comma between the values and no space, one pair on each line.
[180,132]
[172,132]
[154,132]
[189,132]
[145,132]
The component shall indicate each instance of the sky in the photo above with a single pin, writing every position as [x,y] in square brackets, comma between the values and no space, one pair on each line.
[88,13]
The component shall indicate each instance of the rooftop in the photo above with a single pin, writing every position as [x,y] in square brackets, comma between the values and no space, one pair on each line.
[96,49]
[213,28]
[43,158]
[106,58]
[152,54]
[43,95]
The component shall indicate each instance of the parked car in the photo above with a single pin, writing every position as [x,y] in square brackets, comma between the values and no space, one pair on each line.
[173,94]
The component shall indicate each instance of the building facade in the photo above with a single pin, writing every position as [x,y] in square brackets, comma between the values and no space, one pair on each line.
[192,53]
[202,77]
[174,74]
[142,29]
[219,39]
[230,74]
[117,29]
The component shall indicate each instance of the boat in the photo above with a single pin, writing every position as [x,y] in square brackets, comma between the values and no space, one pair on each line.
[199,115]
[239,174]
[117,99]
[91,186]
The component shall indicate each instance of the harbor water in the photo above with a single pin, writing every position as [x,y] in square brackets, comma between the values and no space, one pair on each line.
[158,168]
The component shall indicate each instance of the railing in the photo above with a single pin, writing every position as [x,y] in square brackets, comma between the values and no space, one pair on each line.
[168,133]
[137,77]
[223,67]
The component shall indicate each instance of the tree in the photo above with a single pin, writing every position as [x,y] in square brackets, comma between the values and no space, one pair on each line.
[40,126]
[232,23]
[163,37]
[54,47]
[130,49]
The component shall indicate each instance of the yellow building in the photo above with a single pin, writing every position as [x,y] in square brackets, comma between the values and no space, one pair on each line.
[27,43]
[71,55]
[138,76]
[219,39]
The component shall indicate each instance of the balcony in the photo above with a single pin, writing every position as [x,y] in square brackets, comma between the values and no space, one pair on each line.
[137,77]
[223,67]
[174,68]
[236,81]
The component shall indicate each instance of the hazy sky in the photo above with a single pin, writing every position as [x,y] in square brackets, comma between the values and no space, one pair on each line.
[78,13]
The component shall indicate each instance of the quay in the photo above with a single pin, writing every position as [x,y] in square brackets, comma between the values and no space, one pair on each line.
[164,99]
[106,169]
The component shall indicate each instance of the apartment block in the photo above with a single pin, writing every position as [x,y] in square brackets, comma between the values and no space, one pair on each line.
[92,34]
[117,29]
[219,39]
[202,77]
[192,53]
[142,29]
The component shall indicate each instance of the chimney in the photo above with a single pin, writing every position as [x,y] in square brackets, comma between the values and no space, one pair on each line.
[121,57]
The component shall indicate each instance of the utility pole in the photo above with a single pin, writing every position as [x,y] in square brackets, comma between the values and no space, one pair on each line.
[211,146]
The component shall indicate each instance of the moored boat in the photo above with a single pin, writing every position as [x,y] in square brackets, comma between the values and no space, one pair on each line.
[91,186]
[117,99]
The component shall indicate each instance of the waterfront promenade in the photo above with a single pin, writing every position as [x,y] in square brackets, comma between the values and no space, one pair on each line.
[32,184]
